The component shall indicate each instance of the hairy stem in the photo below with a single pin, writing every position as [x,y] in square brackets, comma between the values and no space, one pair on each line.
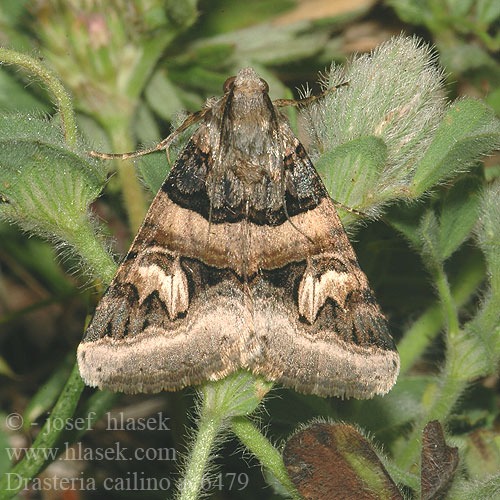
[451,382]
[133,195]
[450,310]
[450,389]
[90,412]
[63,98]
[418,337]
[32,464]
[265,452]
[192,482]
[93,251]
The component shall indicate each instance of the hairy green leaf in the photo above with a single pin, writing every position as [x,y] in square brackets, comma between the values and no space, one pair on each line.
[45,187]
[351,171]
[154,169]
[459,214]
[468,130]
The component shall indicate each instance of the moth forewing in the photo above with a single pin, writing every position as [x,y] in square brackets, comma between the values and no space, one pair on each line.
[275,288]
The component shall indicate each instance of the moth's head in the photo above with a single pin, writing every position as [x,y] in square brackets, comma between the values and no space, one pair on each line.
[247,82]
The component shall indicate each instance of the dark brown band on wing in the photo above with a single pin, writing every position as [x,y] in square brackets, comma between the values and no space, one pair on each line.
[186,185]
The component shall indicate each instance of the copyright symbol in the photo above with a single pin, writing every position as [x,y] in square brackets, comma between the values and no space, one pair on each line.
[14,421]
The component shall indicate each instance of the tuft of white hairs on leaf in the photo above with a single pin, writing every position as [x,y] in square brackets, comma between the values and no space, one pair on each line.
[395,93]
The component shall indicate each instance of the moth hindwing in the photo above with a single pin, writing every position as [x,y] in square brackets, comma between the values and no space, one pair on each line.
[241,262]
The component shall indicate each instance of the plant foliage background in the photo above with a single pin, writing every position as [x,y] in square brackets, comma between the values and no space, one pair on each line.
[405,142]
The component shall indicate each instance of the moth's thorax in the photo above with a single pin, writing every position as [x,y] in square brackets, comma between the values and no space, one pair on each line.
[248,124]
[258,138]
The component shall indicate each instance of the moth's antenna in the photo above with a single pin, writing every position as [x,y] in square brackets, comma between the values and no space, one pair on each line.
[340,205]
[163,145]
[279,103]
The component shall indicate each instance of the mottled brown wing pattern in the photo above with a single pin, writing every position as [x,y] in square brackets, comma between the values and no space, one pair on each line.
[241,262]
[158,324]
[328,336]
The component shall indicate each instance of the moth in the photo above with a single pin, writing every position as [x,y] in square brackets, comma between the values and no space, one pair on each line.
[241,263]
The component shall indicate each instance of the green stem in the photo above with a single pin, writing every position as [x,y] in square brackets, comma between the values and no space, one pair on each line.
[133,197]
[450,310]
[92,249]
[237,394]
[451,383]
[192,482]
[418,337]
[265,452]
[47,395]
[133,194]
[31,465]
[63,98]
[449,392]
[90,412]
